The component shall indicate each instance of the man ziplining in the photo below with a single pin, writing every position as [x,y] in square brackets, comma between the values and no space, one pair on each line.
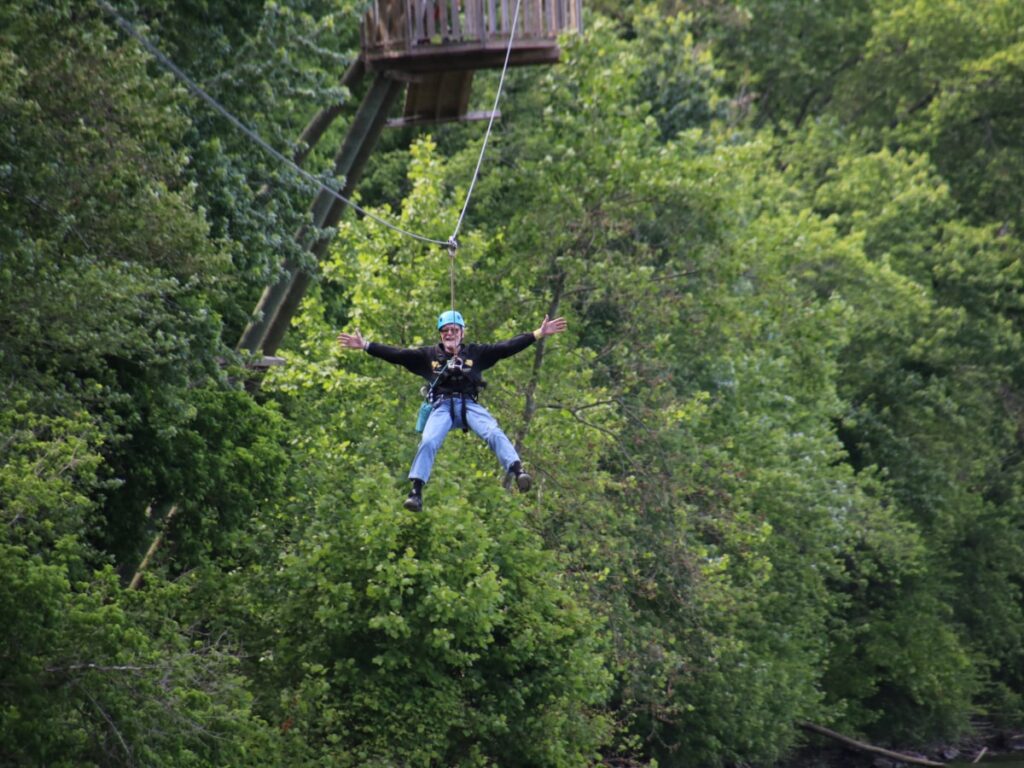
[454,371]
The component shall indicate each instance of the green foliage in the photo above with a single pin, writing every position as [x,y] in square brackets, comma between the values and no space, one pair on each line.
[926,377]
[785,58]
[777,455]
[974,135]
[93,675]
[273,65]
[112,393]
[446,638]
[94,678]
[678,80]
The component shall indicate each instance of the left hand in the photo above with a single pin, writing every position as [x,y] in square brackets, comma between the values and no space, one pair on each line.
[550,327]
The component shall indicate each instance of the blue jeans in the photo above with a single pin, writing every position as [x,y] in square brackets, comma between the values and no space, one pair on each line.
[440,423]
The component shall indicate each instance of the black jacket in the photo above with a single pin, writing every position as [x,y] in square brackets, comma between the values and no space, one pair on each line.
[476,358]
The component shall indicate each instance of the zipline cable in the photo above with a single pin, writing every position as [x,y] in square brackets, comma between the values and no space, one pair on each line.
[125,25]
[490,122]
[451,244]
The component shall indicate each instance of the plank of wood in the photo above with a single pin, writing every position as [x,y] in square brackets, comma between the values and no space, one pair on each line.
[469,117]
[456,26]
[429,9]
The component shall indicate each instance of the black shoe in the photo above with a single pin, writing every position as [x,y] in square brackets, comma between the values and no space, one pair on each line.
[523,480]
[414,501]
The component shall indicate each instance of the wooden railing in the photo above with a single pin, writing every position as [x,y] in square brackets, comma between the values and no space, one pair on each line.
[394,26]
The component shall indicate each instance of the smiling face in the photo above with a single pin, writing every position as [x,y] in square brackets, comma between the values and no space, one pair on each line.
[451,336]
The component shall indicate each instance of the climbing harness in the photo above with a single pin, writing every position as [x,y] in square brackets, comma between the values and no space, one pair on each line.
[432,398]
[451,407]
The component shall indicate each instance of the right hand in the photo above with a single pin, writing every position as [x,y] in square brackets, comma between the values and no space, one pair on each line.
[351,340]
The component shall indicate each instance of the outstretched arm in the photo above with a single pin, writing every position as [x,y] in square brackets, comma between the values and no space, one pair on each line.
[550,327]
[489,354]
[413,360]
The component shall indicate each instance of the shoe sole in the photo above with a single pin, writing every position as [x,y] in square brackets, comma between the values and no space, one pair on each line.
[523,482]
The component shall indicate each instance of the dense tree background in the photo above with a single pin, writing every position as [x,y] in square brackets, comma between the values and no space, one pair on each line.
[779,455]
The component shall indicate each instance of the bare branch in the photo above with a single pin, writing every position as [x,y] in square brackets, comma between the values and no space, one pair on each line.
[137,578]
[113,726]
[98,668]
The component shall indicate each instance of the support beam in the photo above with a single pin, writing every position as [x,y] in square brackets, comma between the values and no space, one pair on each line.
[279,302]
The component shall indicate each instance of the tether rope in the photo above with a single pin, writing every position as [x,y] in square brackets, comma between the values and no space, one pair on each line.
[451,273]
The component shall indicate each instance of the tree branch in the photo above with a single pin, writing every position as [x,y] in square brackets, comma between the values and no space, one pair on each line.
[864,747]
[530,406]
[137,578]
[97,667]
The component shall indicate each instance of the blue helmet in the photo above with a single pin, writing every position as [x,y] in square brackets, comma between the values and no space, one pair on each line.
[450,317]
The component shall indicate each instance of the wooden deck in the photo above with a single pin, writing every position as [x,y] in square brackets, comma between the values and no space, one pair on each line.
[450,35]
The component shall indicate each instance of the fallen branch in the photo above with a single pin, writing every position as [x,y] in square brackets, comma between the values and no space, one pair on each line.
[863,747]
[980,755]
[137,578]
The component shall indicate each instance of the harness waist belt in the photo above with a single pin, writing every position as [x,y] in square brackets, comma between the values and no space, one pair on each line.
[451,397]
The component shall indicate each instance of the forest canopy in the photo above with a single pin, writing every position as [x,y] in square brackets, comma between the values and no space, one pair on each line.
[778,456]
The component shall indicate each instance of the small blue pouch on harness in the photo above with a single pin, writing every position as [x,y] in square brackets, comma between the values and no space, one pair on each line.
[428,393]
[422,416]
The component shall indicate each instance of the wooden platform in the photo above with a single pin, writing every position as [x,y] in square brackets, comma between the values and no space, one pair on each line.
[447,35]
